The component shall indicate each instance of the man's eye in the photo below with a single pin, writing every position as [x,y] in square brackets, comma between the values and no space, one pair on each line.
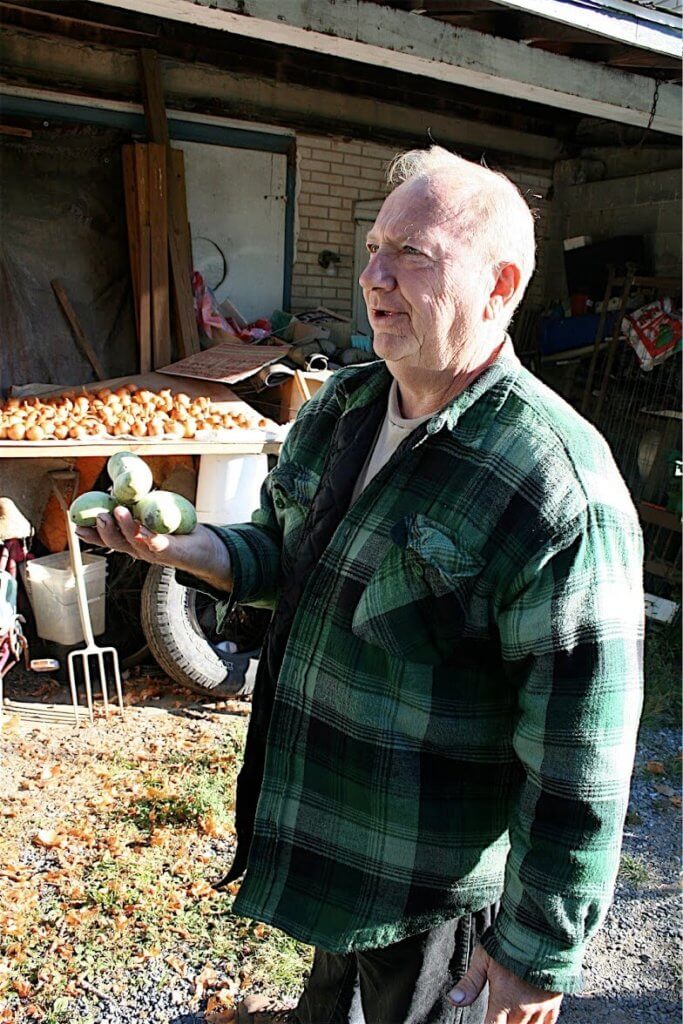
[411,250]
[372,247]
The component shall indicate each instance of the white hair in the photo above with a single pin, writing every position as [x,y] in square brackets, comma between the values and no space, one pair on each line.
[491,209]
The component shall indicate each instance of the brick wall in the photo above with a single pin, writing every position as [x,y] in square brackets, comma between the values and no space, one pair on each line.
[332,175]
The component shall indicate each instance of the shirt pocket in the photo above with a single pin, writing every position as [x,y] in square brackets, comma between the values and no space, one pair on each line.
[416,603]
[293,488]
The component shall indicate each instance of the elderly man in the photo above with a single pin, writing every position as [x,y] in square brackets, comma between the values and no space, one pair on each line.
[443,727]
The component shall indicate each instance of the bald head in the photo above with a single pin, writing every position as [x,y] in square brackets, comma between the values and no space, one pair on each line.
[488,208]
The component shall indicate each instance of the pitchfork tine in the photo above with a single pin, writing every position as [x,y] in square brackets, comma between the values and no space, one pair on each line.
[103,682]
[91,649]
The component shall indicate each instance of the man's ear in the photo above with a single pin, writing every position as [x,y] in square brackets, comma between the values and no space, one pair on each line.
[503,292]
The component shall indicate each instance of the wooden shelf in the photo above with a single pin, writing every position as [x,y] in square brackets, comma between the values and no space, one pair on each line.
[107,446]
[239,441]
[659,516]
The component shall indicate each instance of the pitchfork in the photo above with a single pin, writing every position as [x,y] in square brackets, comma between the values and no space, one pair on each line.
[91,649]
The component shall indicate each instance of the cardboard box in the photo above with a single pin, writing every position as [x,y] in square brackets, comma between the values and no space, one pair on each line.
[291,398]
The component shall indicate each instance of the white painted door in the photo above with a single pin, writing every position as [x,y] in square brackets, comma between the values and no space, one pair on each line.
[236,200]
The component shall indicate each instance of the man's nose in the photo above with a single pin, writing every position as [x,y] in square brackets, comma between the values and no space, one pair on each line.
[377,274]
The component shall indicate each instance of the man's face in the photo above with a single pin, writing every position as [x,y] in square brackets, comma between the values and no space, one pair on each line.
[425,286]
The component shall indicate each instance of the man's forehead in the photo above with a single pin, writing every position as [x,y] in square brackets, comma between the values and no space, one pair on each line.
[414,210]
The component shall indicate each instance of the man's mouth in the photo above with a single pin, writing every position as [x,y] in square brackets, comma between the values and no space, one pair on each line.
[386,314]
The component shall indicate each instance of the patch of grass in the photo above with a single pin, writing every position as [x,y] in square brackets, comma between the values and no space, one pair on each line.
[633,870]
[132,884]
[663,658]
[279,963]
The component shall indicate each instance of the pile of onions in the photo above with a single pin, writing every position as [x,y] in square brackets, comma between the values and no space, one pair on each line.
[129,410]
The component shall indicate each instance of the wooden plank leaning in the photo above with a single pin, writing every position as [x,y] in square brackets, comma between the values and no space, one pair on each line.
[84,346]
[158,224]
[180,251]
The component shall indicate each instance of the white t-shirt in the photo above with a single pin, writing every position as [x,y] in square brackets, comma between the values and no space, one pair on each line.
[394,429]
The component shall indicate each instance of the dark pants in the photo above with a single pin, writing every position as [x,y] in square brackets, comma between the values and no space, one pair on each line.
[406,983]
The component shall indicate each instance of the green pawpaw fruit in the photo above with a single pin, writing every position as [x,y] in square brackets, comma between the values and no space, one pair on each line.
[121,462]
[87,507]
[132,483]
[166,512]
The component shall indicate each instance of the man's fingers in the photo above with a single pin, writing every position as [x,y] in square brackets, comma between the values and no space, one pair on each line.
[471,983]
[109,533]
[501,1017]
[138,536]
[89,535]
[131,529]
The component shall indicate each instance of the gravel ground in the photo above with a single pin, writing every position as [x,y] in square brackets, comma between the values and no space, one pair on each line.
[632,971]
[633,967]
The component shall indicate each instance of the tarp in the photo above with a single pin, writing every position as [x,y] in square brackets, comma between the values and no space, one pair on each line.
[62,215]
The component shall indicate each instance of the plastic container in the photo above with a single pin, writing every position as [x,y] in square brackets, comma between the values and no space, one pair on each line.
[229,487]
[51,589]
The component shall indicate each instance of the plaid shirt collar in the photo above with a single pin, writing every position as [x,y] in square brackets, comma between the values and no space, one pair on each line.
[494,383]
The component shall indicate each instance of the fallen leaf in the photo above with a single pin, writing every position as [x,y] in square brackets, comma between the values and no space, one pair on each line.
[211,826]
[207,978]
[48,838]
[226,1016]
[22,988]
[656,768]
[676,801]
[200,889]
[664,789]
[177,964]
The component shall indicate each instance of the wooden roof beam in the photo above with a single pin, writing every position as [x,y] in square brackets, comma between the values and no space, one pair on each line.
[368,33]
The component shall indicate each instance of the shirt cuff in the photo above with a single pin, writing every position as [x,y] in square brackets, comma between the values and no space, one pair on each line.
[188,579]
[558,973]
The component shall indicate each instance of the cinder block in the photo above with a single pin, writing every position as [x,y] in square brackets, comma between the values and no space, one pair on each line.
[667,252]
[669,216]
[659,185]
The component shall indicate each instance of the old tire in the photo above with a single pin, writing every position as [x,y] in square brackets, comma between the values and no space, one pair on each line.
[169,614]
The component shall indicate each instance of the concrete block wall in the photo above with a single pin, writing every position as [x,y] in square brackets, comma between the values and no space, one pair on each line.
[332,175]
[647,204]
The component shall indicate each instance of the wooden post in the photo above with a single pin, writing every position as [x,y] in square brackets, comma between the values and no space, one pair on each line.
[144,235]
[158,225]
[179,245]
[180,251]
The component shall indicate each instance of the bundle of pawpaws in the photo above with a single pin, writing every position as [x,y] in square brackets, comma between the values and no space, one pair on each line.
[132,483]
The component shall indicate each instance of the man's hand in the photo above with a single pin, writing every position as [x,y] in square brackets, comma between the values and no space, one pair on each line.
[200,552]
[511,1000]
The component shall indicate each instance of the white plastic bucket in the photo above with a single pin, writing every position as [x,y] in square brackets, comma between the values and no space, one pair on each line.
[51,588]
[229,487]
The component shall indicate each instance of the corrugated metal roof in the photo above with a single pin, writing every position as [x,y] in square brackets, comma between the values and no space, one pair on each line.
[670,6]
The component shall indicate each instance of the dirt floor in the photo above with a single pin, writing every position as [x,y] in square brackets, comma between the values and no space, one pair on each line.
[111,835]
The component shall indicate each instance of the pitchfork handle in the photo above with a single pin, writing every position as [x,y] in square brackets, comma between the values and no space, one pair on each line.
[77,569]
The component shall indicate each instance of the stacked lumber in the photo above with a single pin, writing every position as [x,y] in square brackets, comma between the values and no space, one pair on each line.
[158,234]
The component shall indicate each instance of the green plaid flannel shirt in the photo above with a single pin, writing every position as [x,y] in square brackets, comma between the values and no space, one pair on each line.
[456,712]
